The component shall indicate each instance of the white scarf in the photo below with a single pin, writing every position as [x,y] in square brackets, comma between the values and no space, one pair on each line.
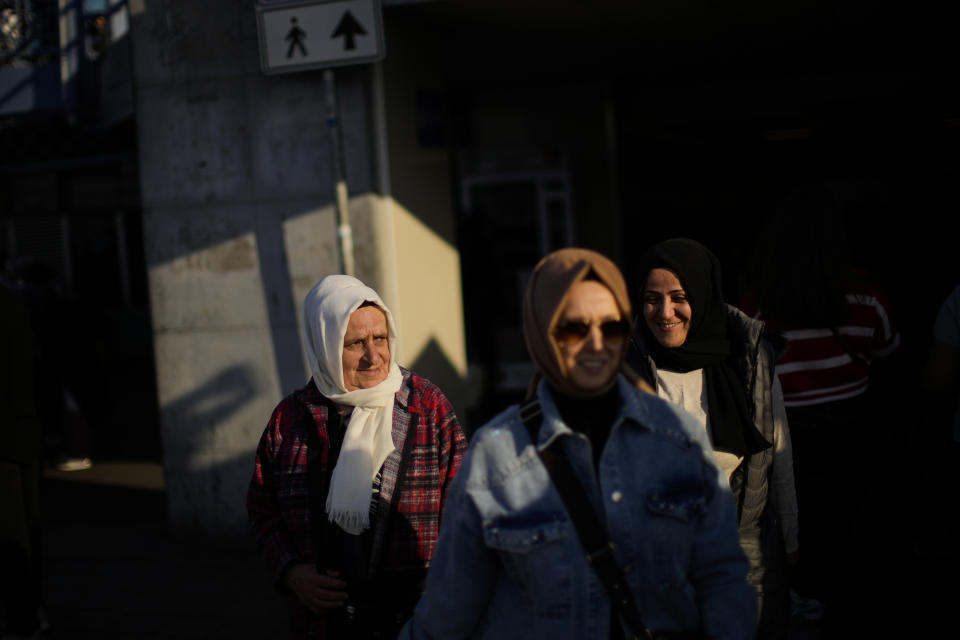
[369,437]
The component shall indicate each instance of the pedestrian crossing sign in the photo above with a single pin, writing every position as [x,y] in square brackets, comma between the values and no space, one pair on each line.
[297,36]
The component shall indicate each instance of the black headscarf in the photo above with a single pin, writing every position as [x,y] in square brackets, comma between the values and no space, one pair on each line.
[707,345]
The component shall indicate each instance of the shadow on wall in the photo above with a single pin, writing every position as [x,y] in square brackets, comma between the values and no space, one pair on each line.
[215,245]
[200,410]
[209,498]
[463,393]
[206,491]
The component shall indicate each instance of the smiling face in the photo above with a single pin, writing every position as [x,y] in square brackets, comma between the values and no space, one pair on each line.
[666,309]
[592,360]
[366,349]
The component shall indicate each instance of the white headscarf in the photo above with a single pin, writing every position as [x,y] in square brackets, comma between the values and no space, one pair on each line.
[369,439]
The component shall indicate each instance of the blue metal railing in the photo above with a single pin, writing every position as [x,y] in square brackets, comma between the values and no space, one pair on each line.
[40,59]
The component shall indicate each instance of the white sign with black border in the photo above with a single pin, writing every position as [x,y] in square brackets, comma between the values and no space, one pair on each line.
[298,36]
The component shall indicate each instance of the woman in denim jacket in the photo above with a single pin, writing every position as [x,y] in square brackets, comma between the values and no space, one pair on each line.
[509,564]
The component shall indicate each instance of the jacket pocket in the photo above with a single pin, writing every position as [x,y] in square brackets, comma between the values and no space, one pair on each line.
[683,501]
[537,559]
[673,514]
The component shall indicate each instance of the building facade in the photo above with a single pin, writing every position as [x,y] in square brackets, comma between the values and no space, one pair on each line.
[186,201]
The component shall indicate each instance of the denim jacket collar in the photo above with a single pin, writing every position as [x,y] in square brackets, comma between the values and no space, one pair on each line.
[631,411]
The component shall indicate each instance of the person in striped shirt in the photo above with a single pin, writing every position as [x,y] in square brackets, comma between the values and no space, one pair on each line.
[827,364]
[838,323]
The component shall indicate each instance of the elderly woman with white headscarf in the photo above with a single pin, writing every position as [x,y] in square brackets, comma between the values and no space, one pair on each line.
[351,472]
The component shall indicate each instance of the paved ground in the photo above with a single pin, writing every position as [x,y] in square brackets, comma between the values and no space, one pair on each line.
[114,571]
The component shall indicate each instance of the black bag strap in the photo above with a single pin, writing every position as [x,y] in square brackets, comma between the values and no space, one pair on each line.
[593,536]
[322,532]
[406,453]
[322,529]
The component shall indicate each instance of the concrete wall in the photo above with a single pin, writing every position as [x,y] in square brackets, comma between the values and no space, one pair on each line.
[239,224]
[422,212]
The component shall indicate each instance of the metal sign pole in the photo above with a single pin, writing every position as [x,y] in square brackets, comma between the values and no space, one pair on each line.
[297,35]
[341,202]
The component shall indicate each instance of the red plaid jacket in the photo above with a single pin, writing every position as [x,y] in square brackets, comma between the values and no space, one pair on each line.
[278,500]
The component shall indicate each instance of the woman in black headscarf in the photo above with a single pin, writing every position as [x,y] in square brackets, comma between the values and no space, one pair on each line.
[718,364]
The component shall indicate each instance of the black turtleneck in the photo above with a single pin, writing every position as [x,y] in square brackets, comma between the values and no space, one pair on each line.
[593,416]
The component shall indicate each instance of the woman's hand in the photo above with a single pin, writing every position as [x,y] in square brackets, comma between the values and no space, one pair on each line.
[319,592]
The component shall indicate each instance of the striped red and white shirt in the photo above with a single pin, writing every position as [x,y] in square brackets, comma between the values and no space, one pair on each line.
[818,366]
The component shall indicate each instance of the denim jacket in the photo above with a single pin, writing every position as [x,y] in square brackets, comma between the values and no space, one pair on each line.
[508,563]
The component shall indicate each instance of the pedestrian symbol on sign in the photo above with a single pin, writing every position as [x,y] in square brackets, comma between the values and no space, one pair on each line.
[295,37]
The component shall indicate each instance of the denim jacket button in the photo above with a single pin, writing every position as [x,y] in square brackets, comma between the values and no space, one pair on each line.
[616,496]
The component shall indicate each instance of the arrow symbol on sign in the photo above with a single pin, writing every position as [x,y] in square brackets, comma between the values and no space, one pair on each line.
[349,28]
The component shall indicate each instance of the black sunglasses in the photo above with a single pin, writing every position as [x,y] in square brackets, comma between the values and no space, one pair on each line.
[578,329]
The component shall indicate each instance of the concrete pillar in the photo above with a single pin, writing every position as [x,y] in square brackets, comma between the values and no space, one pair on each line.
[238,225]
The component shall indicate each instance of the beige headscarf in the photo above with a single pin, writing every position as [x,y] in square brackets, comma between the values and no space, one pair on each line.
[369,436]
[546,295]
